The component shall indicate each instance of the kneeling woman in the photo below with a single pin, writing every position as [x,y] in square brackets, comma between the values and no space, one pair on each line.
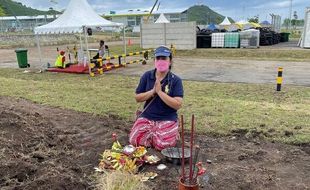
[157,126]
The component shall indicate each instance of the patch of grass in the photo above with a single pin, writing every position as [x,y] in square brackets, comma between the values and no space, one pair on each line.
[253,54]
[220,108]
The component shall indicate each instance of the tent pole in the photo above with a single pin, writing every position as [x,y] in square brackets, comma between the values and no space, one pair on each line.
[124,41]
[81,46]
[141,35]
[39,48]
[86,41]
[81,49]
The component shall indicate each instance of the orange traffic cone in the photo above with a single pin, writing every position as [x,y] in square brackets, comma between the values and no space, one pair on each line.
[129,42]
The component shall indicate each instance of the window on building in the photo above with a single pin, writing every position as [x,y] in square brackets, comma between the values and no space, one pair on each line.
[131,23]
[174,16]
[138,20]
[156,17]
[183,17]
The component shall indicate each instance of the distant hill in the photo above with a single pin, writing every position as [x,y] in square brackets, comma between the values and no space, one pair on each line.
[204,15]
[2,13]
[12,8]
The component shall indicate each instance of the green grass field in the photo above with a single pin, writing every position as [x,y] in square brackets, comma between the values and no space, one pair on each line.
[220,108]
[250,54]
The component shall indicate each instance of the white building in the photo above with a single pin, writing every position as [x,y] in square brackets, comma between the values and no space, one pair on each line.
[134,18]
[11,23]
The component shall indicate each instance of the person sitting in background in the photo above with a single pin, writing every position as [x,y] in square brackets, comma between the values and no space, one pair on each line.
[101,50]
[60,61]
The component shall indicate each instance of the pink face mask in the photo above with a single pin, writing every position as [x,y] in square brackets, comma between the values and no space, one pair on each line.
[162,65]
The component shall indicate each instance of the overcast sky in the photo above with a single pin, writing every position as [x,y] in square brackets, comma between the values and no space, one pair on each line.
[237,9]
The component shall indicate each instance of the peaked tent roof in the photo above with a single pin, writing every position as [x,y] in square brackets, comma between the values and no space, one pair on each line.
[162,19]
[78,14]
[225,22]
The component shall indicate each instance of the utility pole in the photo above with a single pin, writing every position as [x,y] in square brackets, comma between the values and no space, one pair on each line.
[151,12]
[290,17]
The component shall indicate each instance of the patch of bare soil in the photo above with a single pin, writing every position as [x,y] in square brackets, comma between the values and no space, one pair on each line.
[42,147]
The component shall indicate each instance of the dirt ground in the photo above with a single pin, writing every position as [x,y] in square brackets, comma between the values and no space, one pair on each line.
[219,70]
[43,147]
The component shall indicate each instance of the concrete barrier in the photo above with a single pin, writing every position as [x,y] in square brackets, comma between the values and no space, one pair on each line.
[182,35]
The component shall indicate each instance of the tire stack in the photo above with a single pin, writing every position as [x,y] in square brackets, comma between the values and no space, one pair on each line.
[276,37]
[266,37]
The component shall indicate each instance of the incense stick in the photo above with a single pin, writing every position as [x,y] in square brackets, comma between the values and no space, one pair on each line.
[191,151]
[183,160]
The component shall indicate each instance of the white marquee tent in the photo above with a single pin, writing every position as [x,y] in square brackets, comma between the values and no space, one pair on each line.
[77,17]
[162,19]
[225,22]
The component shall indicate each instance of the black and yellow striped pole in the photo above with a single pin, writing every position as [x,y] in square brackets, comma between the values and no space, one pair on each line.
[279,79]
[100,69]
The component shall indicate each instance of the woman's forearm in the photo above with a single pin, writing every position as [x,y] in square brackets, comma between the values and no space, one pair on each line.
[173,102]
[142,97]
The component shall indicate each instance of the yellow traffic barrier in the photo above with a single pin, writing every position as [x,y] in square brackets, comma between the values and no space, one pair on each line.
[101,68]
[173,50]
[279,79]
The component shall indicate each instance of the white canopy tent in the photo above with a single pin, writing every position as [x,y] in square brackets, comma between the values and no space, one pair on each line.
[305,38]
[225,22]
[162,19]
[77,18]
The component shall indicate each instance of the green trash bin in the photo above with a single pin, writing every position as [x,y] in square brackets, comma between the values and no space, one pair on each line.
[284,37]
[22,58]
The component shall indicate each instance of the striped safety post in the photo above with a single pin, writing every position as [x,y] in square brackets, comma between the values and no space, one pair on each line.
[279,79]
[100,69]
[91,67]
